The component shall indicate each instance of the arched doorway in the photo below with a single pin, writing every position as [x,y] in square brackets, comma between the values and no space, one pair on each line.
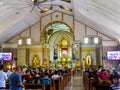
[59,38]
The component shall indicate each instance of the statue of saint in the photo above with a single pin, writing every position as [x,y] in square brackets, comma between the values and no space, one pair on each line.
[35,61]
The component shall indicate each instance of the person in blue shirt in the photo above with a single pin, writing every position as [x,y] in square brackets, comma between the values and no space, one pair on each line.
[114,84]
[46,79]
[15,79]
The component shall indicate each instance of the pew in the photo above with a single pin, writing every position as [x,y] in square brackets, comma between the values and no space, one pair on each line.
[88,82]
[61,83]
[35,86]
[102,87]
[31,86]
[51,86]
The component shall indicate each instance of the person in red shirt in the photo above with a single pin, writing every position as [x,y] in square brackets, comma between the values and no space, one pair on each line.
[27,77]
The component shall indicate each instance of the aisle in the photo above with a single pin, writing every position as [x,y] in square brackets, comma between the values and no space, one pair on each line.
[76,83]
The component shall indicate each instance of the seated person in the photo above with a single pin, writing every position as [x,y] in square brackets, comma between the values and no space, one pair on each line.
[114,84]
[27,76]
[91,73]
[45,79]
[55,75]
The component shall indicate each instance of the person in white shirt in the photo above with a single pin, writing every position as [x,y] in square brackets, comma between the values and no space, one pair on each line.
[3,78]
[55,76]
[9,72]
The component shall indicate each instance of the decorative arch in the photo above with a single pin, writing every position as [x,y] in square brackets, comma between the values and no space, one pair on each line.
[54,33]
[54,27]
[61,22]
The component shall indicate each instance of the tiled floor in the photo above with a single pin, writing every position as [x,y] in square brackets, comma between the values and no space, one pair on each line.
[76,83]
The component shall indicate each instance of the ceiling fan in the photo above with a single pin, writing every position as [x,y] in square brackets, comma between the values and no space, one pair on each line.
[43,5]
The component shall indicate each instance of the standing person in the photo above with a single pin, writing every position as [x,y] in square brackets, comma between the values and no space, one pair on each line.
[3,78]
[15,79]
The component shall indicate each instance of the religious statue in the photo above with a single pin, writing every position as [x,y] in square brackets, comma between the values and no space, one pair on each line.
[35,61]
[88,60]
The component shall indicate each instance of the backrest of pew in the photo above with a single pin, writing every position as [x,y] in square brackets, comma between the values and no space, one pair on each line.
[101,87]
[31,86]
[35,86]
[65,78]
[51,86]
[61,83]
[57,83]
[88,82]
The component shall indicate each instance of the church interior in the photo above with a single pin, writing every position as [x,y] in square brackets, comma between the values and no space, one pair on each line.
[76,35]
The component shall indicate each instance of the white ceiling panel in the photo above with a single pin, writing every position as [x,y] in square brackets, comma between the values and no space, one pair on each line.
[17,15]
[103,15]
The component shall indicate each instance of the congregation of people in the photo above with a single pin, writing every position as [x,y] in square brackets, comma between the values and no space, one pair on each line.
[18,77]
[105,76]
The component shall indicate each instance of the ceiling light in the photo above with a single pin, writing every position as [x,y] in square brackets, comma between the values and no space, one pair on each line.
[65,8]
[28,41]
[96,40]
[46,9]
[20,42]
[33,0]
[86,40]
[69,1]
[38,1]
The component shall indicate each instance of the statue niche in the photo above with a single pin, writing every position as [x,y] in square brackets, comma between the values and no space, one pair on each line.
[63,45]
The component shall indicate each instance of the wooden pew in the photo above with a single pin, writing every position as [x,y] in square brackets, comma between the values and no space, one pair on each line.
[61,83]
[91,83]
[57,83]
[31,86]
[35,86]
[65,79]
[102,87]
[51,86]
[88,82]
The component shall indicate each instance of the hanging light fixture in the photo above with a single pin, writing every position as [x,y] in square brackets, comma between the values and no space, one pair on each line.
[20,41]
[86,40]
[28,41]
[96,40]
[65,8]
[24,41]
[69,1]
